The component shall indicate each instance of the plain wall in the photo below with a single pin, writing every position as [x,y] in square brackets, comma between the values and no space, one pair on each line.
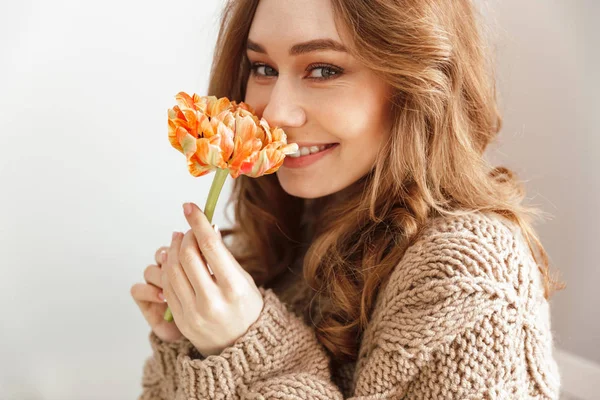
[548,84]
[91,187]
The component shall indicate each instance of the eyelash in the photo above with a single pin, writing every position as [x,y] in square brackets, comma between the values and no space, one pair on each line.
[338,71]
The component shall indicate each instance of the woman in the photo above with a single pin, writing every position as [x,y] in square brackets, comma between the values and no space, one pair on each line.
[393,261]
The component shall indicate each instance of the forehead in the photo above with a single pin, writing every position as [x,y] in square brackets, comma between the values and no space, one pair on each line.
[292,21]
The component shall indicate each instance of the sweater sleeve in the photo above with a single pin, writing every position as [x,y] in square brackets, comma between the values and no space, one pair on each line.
[453,321]
[279,356]
[159,377]
[462,317]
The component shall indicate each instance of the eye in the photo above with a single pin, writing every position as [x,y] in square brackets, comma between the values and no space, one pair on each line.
[265,69]
[328,71]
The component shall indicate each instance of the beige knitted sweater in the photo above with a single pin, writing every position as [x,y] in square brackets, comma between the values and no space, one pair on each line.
[462,316]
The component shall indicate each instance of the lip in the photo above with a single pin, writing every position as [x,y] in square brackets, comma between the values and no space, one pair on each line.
[305,144]
[300,162]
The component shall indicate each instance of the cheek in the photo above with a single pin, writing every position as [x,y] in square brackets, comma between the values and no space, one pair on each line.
[358,113]
[355,123]
[359,153]
[362,132]
[257,97]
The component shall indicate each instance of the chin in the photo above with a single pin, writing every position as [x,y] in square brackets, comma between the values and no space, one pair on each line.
[306,190]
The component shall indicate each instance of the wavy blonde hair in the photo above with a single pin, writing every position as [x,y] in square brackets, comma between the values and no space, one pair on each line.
[444,116]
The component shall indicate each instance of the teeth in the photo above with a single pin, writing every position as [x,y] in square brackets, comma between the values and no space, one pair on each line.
[304,151]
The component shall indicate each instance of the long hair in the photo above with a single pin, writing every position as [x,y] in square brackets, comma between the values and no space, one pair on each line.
[432,53]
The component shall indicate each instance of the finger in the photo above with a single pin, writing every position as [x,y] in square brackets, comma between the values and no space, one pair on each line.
[172,300]
[157,255]
[195,268]
[177,278]
[152,275]
[143,293]
[146,298]
[212,248]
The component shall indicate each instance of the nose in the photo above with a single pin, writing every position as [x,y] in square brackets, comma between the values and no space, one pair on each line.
[283,109]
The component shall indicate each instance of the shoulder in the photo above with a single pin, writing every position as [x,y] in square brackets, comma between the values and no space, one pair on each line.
[466,292]
[478,228]
[460,270]
[471,264]
[482,245]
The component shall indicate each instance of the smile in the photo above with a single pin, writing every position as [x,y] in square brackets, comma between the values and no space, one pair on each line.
[306,156]
[305,151]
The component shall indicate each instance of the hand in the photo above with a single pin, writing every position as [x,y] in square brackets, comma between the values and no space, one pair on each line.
[212,312]
[152,306]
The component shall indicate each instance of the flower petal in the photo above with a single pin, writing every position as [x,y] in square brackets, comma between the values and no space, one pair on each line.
[267,129]
[248,164]
[276,161]
[289,148]
[184,100]
[205,126]
[197,167]
[209,152]
[187,142]
[173,136]
[244,156]
[178,117]
[201,102]
[215,106]
[242,106]
[245,142]
[225,135]
[268,161]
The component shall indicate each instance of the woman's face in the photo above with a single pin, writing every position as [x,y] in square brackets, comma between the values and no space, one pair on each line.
[317,93]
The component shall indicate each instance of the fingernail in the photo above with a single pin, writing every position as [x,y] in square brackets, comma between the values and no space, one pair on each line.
[163,256]
[187,208]
[174,235]
[218,231]
[161,296]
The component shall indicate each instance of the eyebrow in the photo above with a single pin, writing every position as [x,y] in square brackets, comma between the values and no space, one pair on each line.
[302,48]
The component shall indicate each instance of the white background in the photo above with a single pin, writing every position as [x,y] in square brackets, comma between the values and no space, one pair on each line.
[90,186]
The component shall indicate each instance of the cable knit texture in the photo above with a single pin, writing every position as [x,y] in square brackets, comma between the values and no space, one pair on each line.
[462,316]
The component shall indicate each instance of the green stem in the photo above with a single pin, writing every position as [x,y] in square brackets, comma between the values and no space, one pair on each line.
[214,192]
[209,210]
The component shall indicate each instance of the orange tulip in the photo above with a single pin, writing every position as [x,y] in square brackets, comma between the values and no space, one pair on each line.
[218,134]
